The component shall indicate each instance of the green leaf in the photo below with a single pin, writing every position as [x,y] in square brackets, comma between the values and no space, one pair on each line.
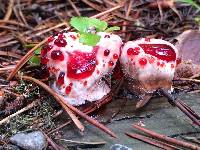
[38,51]
[111,29]
[98,24]
[89,39]
[34,61]
[80,23]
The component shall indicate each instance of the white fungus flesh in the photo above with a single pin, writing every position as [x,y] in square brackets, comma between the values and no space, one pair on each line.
[150,63]
[79,69]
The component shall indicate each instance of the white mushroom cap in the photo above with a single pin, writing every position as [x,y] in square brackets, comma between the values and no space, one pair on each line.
[79,68]
[150,62]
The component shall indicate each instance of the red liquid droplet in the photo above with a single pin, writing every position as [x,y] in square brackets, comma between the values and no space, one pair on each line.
[46,49]
[73,37]
[115,56]
[161,51]
[133,51]
[60,42]
[50,39]
[60,80]
[107,36]
[68,89]
[151,60]
[162,65]
[81,65]
[85,83]
[111,63]
[106,52]
[158,63]
[57,55]
[98,71]
[61,36]
[143,61]
[44,60]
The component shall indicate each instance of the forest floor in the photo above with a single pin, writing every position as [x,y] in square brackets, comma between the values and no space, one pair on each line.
[25,23]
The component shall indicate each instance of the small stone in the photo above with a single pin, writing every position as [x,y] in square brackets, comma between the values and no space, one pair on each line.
[120,147]
[29,141]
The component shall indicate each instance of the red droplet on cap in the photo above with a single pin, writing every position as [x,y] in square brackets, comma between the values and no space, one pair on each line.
[115,56]
[85,83]
[46,49]
[73,37]
[57,55]
[60,42]
[106,52]
[151,60]
[50,39]
[81,65]
[111,63]
[142,61]
[133,51]
[68,89]
[60,80]
[61,36]
[161,51]
[44,60]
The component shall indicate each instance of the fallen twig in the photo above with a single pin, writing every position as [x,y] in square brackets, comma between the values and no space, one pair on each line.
[51,142]
[9,10]
[152,142]
[166,138]
[82,143]
[7,119]
[182,106]
[61,100]
[57,97]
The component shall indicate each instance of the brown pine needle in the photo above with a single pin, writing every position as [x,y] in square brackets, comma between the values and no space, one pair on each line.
[9,10]
[7,119]
[166,138]
[62,101]
[30,53]
[24,59]
[11,54]
[57,97]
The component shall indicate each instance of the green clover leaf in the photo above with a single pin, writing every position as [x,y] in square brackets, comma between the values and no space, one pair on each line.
[82,24]
[89,39]
[38,51]
[34,61]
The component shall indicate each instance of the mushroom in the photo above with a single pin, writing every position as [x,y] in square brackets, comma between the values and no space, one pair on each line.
[148,64]
[79,70]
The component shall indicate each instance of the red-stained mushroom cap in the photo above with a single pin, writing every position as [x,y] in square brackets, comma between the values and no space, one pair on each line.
[79,68]
[149,62]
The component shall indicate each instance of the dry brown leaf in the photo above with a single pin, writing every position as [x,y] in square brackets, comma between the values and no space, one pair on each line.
[188,45]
